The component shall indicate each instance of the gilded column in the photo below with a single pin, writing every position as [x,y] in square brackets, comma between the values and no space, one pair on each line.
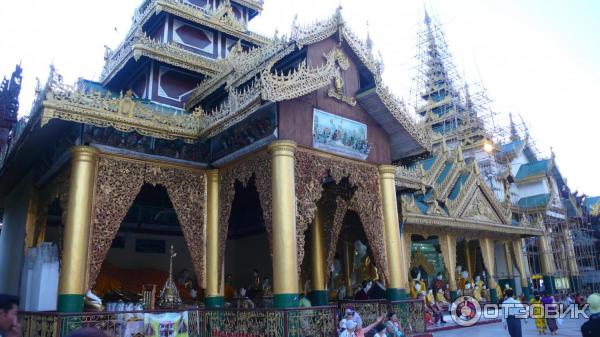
[547,262]
[30,224]
[448,248]
[517,247]
[348,267]
[214,294]
[571,259]
[77,229]
[508,259]
[285,262]
[318,292]
[488,251]
[393,245]
[469,258]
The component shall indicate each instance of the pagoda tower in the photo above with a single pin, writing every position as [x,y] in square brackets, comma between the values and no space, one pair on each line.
[454,114]
[172,46]
[449,112]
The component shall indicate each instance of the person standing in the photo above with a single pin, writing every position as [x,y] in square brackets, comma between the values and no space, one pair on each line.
[537,312]
[591,328]
[550,308]
[9,322]
[513,312]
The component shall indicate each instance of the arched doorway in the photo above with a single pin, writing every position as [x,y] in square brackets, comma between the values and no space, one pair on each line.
[247,259]
[140,251]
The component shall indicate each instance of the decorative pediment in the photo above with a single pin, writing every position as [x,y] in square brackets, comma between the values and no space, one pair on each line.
[480,209]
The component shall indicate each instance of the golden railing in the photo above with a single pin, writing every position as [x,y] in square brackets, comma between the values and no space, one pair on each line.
[296,322]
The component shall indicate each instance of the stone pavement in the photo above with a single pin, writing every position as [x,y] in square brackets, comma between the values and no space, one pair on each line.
[569,328]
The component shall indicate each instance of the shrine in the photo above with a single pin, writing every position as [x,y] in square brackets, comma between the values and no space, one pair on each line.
[212,172]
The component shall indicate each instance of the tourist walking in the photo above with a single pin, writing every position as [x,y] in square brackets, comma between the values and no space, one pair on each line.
[537,312]
[9,323]
[512,310]
[551,308]
[591,328]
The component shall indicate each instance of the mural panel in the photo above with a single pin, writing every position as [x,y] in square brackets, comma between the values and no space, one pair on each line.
[340,135]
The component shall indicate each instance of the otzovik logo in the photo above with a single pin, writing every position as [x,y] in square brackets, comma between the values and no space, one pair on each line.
[465,311]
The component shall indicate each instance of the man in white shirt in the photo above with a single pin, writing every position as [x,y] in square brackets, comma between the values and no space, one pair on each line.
[512,313]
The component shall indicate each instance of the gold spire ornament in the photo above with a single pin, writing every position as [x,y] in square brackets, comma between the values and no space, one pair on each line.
[169,295]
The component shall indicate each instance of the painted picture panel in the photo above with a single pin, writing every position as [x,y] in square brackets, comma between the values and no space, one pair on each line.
[340,135]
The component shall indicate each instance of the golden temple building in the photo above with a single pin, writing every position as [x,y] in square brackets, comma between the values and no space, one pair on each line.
[242,171]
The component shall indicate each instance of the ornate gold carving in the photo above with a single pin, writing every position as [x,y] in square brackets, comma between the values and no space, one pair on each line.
[408,177]
[479,209]
[119,181]
[303,80]
[312,168]
[140,44]
[259,166]
[123,113]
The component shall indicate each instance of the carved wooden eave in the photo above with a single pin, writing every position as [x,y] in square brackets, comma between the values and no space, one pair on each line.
[122,113]
[169,53]
[430,223]
[256,5]
[212,19]
[239,67]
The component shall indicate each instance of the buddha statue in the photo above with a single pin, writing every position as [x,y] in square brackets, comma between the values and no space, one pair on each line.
[478,288]
[367,271]
[463,280]
[430,298]
[441,298]
[417,285]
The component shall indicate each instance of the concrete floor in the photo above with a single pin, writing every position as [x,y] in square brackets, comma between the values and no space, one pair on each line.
[569,328]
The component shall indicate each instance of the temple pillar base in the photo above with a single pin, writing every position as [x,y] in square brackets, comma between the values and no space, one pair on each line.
[318,298]
[285,300]
[493,296]
[396,294]
[70,303]
[214,302]
[549,284]
[526,293]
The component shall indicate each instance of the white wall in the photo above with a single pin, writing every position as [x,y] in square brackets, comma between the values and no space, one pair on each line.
[532,188]
[12,237]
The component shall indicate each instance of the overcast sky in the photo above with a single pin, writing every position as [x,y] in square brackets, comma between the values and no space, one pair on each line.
[537,58]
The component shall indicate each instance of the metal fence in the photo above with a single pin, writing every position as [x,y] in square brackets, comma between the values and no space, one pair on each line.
[293,322]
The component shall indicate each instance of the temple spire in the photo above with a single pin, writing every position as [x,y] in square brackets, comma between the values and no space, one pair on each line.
[514,134]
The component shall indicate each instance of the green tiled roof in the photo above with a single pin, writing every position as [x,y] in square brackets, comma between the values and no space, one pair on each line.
[591,202]
[444,173]
[534,201]
[510,147]
[459,183]
[428,163]
[539,167]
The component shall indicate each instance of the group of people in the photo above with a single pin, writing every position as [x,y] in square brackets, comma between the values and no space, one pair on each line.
[545,310]
[384,326]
